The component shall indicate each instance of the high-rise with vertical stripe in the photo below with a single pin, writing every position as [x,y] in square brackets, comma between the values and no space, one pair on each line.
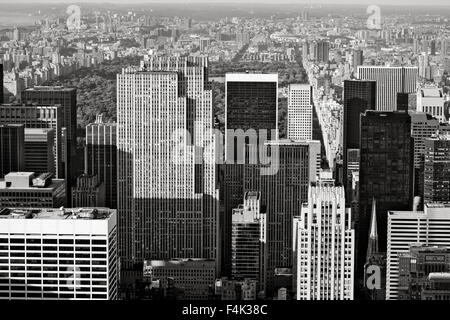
[167,197]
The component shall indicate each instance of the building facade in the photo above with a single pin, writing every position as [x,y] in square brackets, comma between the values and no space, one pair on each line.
[101,157]
[34,116]
[390,81]
[386,173]
[300,112]
[39,151]
[428,227]
[88,192]
[167,197]
[437,169]
[12,148]
[359,96]
[25,189]
[324,243]
[71,254]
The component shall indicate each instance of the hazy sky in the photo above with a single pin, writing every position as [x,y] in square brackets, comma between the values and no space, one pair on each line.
[361,2]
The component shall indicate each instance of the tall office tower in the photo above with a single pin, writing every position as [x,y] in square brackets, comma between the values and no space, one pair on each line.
[386,173]
[86,240]
[390,81]
[167,197]
[322,51]
[437,169]
[39,150]
[358,59]
[67,98]
[418,268]
[359,96]
[444,47]
[1,84]
[324,244]
[38,117]
[251,103]
[305,50]
[251,106]
[432,101]
[428,227]
[88,192]
[12,148]
[300,112]
[284,189]
[25,189]
[423,126]
[407,101]
[247,239]
[433,47]
[101,157]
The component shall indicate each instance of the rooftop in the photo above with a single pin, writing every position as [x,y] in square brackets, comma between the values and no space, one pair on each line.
[251,77]
[50,88]
[56,214]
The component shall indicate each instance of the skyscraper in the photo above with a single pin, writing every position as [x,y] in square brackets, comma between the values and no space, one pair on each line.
[423,126]
[437,169]
[428,227]
[1,84]
[67,98]
[82,237]
[431,101]
[251,115]
[247,246]
[390,81]
[283,192]
[251,105]
[359,96]
[38,117]
[12,148]
[324,244]
[167,197]
[386,173]
[300,112]
[321,50]
[358,59]
[39,150]
[101,157]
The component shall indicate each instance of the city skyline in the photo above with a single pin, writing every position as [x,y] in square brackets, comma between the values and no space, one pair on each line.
[206,152]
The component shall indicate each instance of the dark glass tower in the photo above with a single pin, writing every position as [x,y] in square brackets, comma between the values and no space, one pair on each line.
[67,98]
[1,84]
[386,173]
[251,106]
[359,96]
[12,148]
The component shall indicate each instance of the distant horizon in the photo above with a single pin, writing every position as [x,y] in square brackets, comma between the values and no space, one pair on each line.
[392,3]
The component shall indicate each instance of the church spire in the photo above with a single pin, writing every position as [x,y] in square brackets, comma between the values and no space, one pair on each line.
[373,233]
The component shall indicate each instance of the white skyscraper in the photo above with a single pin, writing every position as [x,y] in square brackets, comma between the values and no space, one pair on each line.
[167,197]
[390,81]
[324,244]
[300,112]
[429,227]
[71,254]
[431,101]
